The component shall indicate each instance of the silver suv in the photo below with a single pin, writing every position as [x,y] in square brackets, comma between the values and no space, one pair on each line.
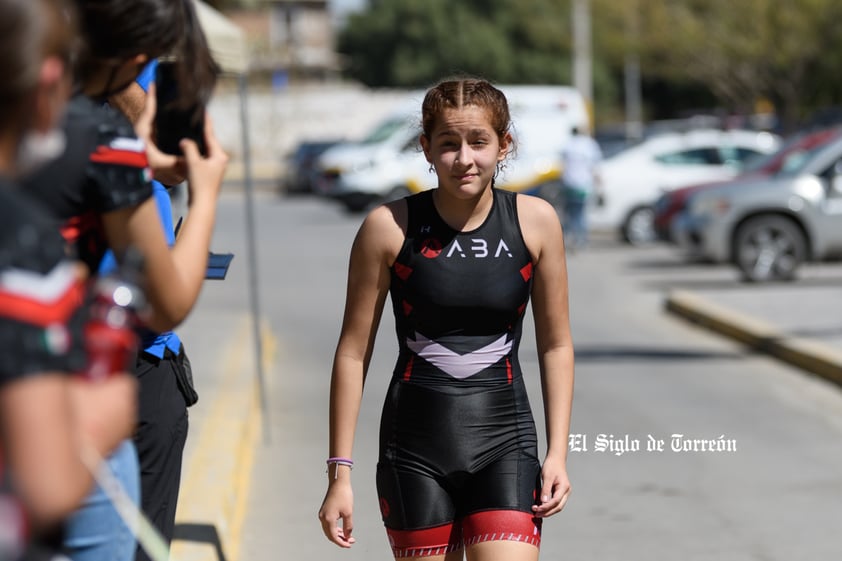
[769,226]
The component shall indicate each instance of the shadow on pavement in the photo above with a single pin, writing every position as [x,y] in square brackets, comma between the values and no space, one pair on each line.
[200,533]
[730,284]
[599,353]
[671,263]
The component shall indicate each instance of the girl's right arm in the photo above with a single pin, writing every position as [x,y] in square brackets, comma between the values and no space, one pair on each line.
[375,247]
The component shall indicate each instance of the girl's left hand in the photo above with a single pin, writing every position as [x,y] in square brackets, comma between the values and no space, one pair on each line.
[555,488]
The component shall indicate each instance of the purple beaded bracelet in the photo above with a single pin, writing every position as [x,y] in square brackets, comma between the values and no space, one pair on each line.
[341,462]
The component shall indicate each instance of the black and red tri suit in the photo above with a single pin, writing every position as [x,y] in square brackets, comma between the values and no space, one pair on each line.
[458,447]
[103,169]
[41,333]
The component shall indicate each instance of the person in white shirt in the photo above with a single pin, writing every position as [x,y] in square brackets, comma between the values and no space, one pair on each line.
[579,157]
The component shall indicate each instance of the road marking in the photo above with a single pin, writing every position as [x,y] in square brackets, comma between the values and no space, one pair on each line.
[216,483]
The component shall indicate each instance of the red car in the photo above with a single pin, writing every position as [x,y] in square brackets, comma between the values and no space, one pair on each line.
[670,204]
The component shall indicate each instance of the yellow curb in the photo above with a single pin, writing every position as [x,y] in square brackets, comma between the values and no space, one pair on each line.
[216,482]
[815,357]
[812,356]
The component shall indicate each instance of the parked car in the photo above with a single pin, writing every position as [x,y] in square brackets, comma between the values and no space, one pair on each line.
[357,174]
[672,203]
[769,226]
[299,168]
[390,164]
[630,182]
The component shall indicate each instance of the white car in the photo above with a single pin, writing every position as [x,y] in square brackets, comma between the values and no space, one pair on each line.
[630,181]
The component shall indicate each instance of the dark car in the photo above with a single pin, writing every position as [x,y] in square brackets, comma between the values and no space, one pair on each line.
[299,168]
[671,204]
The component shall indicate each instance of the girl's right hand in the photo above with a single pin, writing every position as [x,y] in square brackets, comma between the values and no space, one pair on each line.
[204,174]
[338,505]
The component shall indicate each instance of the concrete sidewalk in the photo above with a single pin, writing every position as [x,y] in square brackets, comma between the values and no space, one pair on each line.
[800,324]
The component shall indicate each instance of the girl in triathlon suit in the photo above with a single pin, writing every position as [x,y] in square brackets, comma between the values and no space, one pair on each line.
[458,472]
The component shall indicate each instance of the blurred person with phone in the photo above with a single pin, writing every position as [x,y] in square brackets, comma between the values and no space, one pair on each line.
[102,198]
[48,417]
[162,357]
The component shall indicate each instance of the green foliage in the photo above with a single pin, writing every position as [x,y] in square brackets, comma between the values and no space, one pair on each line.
[741,52]
[736,52]
[412,43]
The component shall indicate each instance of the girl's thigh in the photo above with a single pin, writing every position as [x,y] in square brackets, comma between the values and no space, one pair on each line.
[501,550]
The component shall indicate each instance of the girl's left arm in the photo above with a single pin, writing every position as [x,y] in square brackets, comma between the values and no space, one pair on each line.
[543,235]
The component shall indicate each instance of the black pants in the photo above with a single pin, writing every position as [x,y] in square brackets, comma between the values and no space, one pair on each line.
[160,439]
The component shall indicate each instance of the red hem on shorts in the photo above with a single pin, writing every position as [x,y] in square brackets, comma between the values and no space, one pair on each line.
[479,527]
[438,540]
[508,525]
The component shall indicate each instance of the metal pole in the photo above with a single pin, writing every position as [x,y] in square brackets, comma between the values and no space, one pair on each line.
[631,72]
[251,246]
[582,57]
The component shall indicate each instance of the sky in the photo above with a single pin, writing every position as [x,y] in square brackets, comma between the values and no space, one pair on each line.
[343,6]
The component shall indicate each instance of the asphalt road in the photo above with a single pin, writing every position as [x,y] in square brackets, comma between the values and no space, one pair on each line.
[769,490]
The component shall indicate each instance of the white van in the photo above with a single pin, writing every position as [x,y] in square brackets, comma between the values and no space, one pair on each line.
[389,163]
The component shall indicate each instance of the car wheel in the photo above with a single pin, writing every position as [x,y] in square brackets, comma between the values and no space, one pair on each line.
[768,248]
[639,227]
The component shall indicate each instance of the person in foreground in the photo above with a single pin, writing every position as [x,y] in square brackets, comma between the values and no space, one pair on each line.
[49,418]
[458,470]
[101,198]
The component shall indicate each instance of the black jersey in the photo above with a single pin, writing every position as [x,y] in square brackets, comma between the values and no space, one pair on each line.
[103,169]
[459,297]
[456,417]
[41,295]
[41,321]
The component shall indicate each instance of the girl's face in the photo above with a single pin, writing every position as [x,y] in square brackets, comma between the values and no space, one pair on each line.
[464,149]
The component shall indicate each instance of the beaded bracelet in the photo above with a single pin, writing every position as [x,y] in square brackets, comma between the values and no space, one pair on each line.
[339,462]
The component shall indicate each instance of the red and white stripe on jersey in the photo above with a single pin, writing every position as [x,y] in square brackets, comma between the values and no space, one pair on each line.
[122,150]
[39,299]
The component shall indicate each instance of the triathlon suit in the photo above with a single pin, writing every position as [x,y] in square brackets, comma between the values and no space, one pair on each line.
[104,169]
[41,322]
[458,458]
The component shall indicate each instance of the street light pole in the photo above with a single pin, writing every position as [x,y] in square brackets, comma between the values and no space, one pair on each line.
[582,58]
[631,74]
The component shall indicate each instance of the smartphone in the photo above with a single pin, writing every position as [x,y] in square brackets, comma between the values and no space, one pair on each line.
[173,120]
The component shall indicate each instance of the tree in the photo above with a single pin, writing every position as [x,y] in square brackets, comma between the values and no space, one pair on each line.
[742,53]
[412,43]
[725,53]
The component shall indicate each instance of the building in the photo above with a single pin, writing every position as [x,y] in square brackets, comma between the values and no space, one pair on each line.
[290,39]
